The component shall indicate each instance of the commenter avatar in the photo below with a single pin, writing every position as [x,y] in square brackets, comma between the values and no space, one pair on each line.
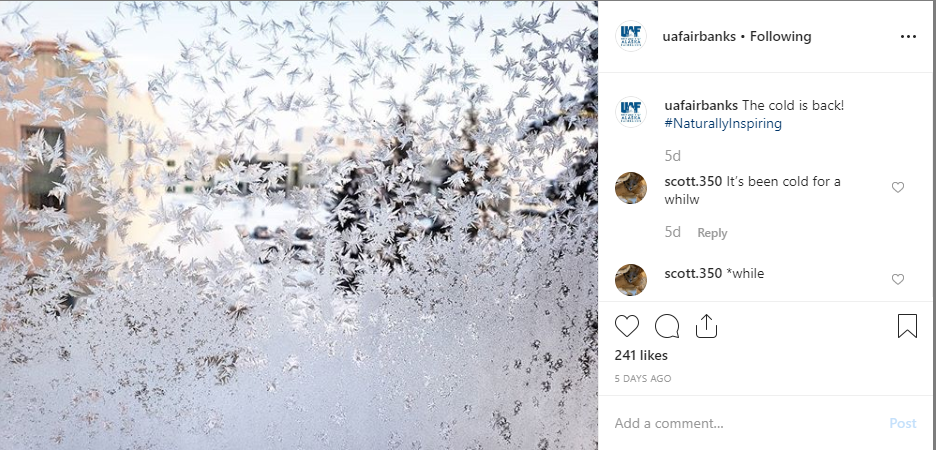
[630,279]
[630,187]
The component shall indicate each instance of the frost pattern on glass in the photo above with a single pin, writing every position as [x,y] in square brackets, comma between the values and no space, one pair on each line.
[430,281]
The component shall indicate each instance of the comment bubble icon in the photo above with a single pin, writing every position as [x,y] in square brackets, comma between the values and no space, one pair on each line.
[667,326]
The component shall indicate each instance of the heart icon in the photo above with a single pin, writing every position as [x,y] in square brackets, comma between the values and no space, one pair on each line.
[626,324]
[898,278]
[898,186]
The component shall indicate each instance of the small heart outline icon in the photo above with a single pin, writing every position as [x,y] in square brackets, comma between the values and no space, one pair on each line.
[897,186]
[897,278]
[623,322]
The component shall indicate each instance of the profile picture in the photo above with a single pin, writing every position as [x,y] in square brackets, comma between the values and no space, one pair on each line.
[630,279]
[630,187]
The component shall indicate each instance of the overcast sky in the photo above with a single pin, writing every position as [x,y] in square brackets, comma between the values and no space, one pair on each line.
[145,52]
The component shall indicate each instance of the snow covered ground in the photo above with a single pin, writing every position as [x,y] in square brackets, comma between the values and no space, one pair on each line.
[229,216]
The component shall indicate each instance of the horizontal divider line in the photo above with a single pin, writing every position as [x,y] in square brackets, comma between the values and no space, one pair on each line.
[600,72]
[765,395]
[765,301]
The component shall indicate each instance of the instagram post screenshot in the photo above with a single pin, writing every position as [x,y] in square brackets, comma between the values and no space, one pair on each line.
[375,225]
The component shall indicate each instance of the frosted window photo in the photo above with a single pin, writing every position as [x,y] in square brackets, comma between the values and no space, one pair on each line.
[298,225]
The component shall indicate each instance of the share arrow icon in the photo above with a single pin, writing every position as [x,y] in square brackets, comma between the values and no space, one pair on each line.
[706,333]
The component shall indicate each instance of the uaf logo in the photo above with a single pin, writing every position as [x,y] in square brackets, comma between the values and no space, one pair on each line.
[631,112]
[631,36]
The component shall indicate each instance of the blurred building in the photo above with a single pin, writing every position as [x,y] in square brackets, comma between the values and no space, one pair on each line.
[293,154]
[184,161]
[34,189]
[343,146]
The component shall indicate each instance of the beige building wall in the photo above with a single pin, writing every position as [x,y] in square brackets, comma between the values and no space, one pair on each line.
[92,133]
[140,107]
